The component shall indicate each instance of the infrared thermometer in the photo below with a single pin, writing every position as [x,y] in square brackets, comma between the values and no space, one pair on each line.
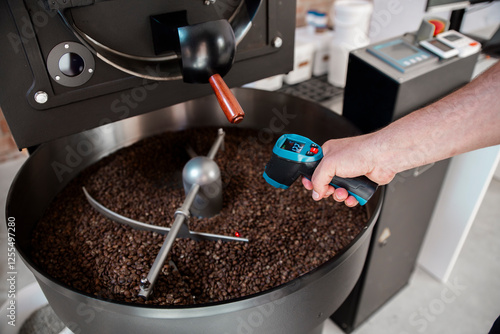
[295,155]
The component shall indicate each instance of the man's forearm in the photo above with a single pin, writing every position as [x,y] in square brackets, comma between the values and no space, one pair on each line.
[465,120]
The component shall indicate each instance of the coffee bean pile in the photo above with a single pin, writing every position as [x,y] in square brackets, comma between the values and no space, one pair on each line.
[289,233]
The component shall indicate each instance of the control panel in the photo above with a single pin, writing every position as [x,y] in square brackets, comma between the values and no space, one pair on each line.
[400,54]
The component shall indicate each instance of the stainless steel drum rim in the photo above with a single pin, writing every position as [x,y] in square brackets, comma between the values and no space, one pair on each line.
[208,309]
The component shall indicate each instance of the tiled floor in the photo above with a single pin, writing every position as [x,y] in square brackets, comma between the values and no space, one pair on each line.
[469,303]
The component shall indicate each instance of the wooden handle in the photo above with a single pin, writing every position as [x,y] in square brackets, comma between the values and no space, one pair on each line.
[227,101]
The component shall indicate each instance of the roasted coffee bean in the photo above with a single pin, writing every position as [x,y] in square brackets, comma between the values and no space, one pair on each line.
[289,233]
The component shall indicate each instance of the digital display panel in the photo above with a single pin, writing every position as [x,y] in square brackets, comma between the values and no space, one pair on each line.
[452,37]
[293,146]
[440,45]
[398,51]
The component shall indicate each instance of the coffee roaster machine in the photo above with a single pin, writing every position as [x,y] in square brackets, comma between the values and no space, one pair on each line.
[83,78]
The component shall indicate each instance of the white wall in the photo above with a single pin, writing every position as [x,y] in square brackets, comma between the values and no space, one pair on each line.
[392,18]
[469,174]
[481,16]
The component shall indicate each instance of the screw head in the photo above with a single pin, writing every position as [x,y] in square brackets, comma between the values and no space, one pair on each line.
[277,42]
[145,283]
[41,97]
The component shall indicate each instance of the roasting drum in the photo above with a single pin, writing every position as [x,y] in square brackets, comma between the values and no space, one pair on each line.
[300,306]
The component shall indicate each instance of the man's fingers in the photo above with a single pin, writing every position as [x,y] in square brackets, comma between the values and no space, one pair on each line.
[340,194]
[351,201]
[307,183]
[320,181]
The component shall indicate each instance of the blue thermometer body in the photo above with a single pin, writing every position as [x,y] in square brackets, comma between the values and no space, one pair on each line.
[295,155]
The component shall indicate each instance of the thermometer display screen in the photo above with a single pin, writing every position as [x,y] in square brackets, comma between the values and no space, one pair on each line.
[440,45]
[452,37]
[293,146]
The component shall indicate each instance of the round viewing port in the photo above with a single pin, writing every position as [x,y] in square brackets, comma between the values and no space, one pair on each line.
[71,64]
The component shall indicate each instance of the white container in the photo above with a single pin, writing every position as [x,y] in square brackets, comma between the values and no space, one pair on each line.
[322,42]
[302,62]
[310,22]
[322,52]
[316,21]
[351,18]
[272,83]
[351,22]
[337,64]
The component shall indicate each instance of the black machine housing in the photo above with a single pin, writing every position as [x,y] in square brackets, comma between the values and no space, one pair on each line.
[41,105]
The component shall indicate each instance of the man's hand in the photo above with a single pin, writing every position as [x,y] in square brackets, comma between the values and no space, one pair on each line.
[339,194]
[346,158]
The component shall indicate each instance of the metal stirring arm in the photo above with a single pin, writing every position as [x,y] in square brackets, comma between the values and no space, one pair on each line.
[219,141]
[180,216]
[137,225]
[179,227]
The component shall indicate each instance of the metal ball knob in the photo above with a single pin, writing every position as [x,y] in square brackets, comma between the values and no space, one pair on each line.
[204,172]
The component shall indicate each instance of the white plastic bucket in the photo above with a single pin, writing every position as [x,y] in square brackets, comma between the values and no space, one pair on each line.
[351,15]
[351,20]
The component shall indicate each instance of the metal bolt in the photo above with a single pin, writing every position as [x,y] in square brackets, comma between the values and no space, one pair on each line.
[209,2]
[66,46]
[145,283]
[58,78]
[277,42]
[41,97]
[91,70]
